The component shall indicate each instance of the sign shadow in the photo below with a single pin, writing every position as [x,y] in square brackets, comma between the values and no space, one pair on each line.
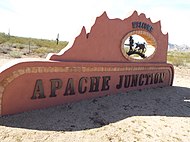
[98,112]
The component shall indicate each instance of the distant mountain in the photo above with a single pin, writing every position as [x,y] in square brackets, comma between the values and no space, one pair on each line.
[175,47]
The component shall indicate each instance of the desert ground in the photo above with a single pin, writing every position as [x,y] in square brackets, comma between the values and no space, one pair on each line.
[155,115]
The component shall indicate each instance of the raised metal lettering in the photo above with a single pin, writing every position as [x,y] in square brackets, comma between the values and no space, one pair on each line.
[38,90]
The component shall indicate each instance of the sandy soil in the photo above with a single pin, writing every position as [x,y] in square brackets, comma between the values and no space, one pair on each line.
[160,115]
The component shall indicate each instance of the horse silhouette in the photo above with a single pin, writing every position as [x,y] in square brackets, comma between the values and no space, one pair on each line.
[140,47]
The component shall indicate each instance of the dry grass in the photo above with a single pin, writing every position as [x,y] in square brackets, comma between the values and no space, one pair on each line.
[19,46]
[179,58]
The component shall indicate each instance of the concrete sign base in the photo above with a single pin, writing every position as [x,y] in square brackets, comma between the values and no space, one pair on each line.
[109,60]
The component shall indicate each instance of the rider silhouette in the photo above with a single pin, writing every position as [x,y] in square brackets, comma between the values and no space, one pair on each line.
[131,42]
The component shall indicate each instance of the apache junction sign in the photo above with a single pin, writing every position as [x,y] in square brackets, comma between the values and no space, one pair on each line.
[114,62]
[95,84]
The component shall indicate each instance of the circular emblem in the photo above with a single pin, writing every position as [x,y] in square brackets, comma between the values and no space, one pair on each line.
[138,45]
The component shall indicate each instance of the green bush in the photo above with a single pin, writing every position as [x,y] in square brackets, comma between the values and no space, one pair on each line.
[3,38]
[15,54]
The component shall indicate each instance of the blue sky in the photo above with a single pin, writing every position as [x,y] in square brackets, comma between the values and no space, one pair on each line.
[46,18]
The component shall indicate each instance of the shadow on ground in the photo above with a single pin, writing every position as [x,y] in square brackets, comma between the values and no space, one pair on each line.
[89,114]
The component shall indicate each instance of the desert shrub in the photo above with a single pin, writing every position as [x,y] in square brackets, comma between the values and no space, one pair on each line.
[176,62]
[3,38]
[15,54]
[33,41]
[49,48]
[50,43]
[19,46]
[30,45]
[43,50]
[178,58]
